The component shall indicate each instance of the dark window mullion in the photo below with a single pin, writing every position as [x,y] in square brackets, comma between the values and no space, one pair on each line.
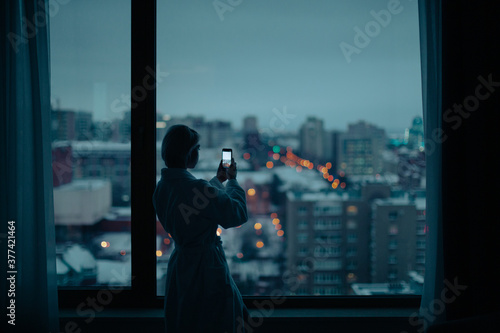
[143,164]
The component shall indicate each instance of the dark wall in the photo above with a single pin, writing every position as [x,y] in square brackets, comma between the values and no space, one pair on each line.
[471,166]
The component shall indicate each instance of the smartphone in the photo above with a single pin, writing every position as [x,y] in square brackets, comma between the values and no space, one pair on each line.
[227,154]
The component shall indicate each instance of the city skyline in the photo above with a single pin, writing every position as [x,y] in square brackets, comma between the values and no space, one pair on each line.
[252,62]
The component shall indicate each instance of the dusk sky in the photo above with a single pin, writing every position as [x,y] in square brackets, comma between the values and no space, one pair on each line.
[257,56]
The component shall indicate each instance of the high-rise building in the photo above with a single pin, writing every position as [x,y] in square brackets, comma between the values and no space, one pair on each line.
[83,126]
[312,139]
[252,143]
[397,238]
[315,243]
[250,124]
[360,149]
[221,133]
[331,149]
[356,218]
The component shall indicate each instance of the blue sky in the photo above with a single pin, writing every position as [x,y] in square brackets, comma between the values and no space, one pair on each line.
[263,55]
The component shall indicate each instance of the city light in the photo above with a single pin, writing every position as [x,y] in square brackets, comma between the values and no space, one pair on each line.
[122,252]
[219,231]
[257,226]
[259,244]
[159,253]
[166,241]
[277,226]
[239,255]
[105,244]
[246,156]
[251,192]
[328,165]
[274,215]
[276,221]
[280,233]
[269,165]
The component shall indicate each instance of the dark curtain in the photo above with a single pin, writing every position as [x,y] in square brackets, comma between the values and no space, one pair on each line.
[461,86]
[430,46]
[25,170]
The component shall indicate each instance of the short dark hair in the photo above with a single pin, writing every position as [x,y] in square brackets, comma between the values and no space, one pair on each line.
[176,144]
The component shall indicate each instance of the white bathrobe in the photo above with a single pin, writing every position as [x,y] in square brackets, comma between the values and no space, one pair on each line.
[200,294]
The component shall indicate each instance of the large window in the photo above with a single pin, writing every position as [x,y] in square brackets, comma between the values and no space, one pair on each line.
[91,132]
[321,103]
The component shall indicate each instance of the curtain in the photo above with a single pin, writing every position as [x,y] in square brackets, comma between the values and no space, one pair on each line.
[26,196]
[430,46]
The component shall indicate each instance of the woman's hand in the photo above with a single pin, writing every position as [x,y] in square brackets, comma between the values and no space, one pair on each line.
[231,171]
[221,173]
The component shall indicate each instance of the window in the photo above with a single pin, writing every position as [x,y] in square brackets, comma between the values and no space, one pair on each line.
[351,224]
[320,251]
[351,252]
[352,238]
[393,229]
[327,238]
[352,264]
[91,151]
[177,69]
[303,224]
[303,251]
[266,90]
[321,209]
[352,210]
[302,210]
[302,237]
[326,291]
[326,278]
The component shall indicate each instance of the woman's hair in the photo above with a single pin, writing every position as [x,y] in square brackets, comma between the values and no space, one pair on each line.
[176,145]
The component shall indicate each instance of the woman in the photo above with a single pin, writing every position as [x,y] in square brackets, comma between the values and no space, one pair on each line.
[200,294]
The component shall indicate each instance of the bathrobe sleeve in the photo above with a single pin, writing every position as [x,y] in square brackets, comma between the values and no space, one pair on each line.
[227,204]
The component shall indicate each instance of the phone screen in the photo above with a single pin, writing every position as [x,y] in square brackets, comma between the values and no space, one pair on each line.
[226,158]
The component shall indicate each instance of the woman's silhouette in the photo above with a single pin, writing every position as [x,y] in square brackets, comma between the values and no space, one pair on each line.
[200,294]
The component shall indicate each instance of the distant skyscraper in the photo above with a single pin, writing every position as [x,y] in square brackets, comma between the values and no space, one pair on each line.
[63,125]
[250,124]
[252,143]
[360,149]
[221,133]
[416,133]
[312,139]
[83,125]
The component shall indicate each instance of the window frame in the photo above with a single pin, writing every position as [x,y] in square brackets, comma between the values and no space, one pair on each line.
[142,292]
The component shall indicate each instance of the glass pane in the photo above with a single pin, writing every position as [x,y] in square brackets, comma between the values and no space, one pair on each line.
[90,92]
[321,103]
